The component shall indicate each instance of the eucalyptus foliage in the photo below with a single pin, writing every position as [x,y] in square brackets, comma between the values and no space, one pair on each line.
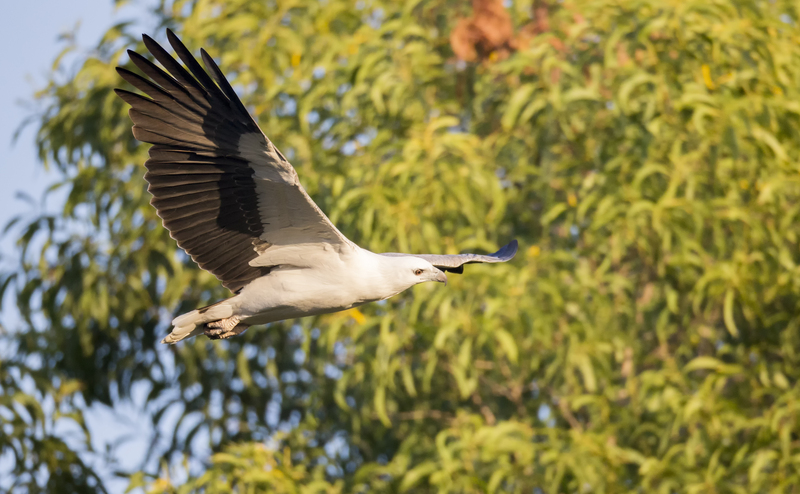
[646,338]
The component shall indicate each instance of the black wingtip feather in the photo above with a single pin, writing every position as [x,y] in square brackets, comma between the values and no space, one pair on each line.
[147,40]
[172,37]
[194,67]
[222,81]
[168,62]
[508,251]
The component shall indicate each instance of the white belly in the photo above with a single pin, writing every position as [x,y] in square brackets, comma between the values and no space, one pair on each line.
[330,281]
[293,293]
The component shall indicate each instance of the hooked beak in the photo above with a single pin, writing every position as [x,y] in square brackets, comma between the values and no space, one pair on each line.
[441,277]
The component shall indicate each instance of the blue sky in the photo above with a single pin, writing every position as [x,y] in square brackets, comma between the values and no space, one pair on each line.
[29,35]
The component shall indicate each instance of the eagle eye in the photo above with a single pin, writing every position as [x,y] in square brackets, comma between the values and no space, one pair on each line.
[418,272]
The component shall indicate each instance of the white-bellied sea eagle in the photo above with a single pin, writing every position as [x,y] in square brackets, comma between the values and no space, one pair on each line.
[235,205]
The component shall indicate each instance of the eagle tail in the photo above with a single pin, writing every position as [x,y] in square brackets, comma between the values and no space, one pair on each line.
[194,323]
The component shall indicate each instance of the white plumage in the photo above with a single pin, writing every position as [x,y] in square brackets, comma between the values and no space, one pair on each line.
[235,204]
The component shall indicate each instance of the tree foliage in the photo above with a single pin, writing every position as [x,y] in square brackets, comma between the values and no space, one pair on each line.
[646,338]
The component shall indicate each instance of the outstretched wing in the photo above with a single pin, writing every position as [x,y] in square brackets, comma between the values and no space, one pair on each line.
[455,263]
[223,190]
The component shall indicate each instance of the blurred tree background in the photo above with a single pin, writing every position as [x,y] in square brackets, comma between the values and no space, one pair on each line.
[645,339]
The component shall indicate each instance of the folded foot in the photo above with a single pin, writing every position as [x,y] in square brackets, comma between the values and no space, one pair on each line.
[224,328]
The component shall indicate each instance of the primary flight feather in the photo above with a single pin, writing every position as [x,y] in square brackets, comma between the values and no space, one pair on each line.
[234,203]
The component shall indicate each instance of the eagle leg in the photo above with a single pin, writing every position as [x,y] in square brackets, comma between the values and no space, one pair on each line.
[224,328]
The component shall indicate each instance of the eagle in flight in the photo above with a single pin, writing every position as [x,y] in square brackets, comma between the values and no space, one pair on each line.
[235,205]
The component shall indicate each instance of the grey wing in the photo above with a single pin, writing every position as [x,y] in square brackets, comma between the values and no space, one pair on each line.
[455,263]
[224,191]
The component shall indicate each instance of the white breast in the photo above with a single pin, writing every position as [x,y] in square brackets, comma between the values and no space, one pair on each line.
[334,281]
